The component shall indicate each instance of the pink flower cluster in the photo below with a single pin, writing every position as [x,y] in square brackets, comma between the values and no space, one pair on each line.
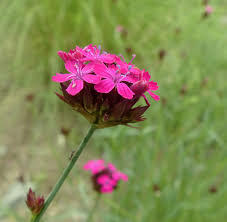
[107,72]
[208,9]
[105,178]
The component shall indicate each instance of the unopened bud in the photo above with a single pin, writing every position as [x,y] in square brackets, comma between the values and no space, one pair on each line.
[140,87]
[34,203]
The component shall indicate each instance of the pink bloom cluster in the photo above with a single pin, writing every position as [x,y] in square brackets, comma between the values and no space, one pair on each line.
[208,9]
[107,72]
[105,178]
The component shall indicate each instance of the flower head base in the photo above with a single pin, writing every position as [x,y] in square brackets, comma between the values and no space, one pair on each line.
[105,178]
[103,87]
[103,110]
[34,203]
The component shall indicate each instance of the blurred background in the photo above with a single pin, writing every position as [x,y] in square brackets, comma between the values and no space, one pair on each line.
[176,161]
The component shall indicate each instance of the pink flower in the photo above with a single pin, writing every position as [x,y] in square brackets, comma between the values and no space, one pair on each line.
[208,9]
[92,53]
[143,84]
[112,78]
[122,30]
[119,28]
[78,74]
[105,178]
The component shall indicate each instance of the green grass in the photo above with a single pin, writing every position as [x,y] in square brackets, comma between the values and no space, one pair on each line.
[181,145]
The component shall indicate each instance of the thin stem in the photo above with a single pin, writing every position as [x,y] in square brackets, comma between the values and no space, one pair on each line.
[118,208]
[65,173]
[32,219]
[91,213]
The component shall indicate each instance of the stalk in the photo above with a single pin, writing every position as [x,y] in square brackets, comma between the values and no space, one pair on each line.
[64,175]
[91,214]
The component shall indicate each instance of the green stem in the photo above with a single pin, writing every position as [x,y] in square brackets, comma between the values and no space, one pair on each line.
[64,175]
[90,216]
[33,218]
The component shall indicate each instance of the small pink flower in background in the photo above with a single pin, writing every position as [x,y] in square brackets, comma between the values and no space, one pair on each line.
[208,9]
[105,178]
[34,203]
[121,30]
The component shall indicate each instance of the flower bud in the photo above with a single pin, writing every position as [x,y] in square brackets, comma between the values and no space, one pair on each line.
[140,87]
[34,203]
[208,11]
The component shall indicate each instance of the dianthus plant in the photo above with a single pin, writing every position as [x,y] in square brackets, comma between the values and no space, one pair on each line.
[105,89]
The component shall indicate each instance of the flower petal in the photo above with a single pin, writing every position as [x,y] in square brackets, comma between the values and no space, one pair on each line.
[103,71]
[105,179]
[75,87]
[80,50]
[154,96]
[107,58]
[89,68]
[104,86]
[94,79]
[120,176]
[70,66]
[63,55]
[153,85]
[94,166]
[145,75]
[124,177]
[62,77]
[111,167]
[107,189]
[129,78]
[125,91]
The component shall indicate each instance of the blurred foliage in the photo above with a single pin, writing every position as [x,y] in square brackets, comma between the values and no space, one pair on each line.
[176,161]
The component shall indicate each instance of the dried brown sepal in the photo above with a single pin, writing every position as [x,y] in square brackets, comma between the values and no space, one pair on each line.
[104,110]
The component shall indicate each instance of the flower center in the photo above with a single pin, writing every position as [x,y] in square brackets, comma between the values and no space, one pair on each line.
[74,84]
[79,73]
